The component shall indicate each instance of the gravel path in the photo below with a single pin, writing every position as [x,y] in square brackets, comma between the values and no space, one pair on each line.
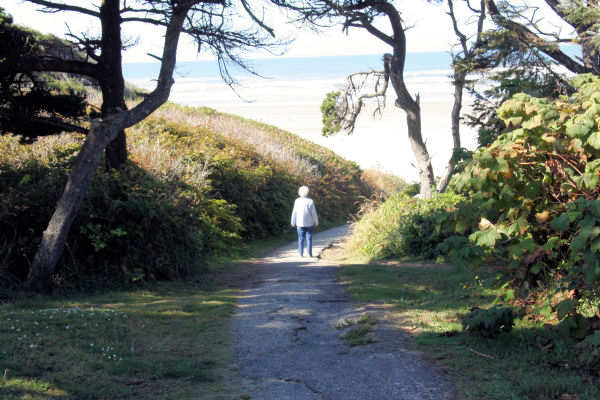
[288,347]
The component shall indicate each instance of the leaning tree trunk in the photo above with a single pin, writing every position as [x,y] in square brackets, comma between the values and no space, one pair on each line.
[459,85]
[413,120]
[102,132]
[56,233]
[419,149]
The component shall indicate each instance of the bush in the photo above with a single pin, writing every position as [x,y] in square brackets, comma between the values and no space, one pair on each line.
[188,193]
[404,226]
[590,352]
[383,184]
[131,226]
[489,323]
[533,207]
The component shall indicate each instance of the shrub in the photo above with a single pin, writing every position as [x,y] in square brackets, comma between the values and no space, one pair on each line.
[188,193]
[404,226]
[383,184]
[590,352]
[533,205]
[489,323]
[131,226]
[335,183]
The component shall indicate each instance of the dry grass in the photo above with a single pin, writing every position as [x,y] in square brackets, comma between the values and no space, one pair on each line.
[42,150]
[236,128]
[161,161]
[384,184]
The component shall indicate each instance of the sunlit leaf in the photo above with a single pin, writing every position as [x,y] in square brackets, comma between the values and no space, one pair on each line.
[577,129]
[485,238]
[594,139]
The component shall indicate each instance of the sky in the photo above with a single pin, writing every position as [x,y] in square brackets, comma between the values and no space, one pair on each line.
[431,31]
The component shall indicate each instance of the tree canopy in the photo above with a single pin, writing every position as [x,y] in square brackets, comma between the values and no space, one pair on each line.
[213,24]
[34,103]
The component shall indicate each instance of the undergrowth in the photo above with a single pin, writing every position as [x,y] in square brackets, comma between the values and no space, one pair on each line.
[403,226]
[197,185]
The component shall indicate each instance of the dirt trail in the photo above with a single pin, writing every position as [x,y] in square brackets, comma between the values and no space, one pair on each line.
[288,347]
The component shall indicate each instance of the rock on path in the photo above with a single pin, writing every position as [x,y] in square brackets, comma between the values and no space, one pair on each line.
[288,347]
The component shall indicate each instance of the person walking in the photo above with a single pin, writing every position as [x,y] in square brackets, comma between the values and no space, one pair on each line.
[305,219]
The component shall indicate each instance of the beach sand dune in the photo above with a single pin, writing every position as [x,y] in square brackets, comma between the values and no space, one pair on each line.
[380,142]
[293,104]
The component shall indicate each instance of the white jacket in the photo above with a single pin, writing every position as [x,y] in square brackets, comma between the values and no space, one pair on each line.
[305,213]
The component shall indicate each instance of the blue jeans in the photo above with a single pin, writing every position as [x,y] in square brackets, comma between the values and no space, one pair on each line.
[305,232]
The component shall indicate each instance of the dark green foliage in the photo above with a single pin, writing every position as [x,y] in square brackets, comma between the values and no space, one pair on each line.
[533,206]
[405,226]
[28,101]
[188,194]
[330,120]
[571,322]
[262,193]
[489,323]
[131,226]
[590,352]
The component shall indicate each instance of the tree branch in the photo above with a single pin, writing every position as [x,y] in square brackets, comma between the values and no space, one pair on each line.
[53,7]
[56,123]
[49,64]
[258,21]
[529,38]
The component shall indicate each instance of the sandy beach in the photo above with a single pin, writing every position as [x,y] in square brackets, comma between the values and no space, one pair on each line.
[377,142]
[294,105]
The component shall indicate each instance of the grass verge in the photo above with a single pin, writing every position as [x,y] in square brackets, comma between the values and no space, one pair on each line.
[162,341]
[357,336]
[531,362]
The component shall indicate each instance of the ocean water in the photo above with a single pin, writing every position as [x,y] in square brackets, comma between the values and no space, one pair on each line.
[297,68]
[287,92]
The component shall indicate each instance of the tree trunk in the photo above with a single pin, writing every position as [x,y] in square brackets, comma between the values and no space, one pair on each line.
[419,149]
[526,36]
[112,82]
[459,84]
[413,120]
[80,179]
[102,132]
[116,151]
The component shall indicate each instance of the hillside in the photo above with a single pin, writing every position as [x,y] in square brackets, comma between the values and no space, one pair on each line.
[198,184]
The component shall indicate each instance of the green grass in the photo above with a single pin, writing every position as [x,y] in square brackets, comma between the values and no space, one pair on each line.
[531,362]
[162,341]
[358,335]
